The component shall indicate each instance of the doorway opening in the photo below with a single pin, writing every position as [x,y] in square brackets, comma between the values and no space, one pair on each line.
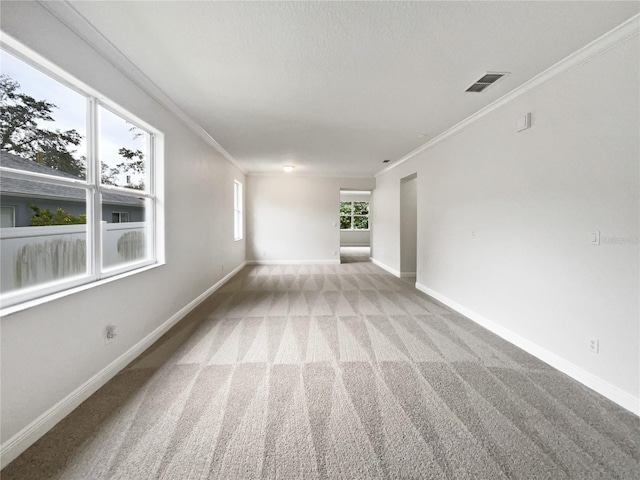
[355,226]
[409,227]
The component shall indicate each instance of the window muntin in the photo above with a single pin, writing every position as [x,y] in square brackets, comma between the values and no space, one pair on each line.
[98,123]
[354,215]
[237,211]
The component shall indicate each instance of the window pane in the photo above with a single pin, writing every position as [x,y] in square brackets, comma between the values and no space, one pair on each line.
[361,208]
[237,211]
[345,208]
[49,241]
[123,152]
[345,223]
[43,126]
[8,217]
[127,239]
[360,223]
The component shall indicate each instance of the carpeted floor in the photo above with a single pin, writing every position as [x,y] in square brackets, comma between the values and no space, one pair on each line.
[354,254]
[336,372]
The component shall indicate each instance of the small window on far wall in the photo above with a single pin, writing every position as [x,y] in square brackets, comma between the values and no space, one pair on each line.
[237,211]
[354,215]
[119,217]
[8,217]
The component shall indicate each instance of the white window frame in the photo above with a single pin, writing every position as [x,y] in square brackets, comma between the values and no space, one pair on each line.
[238,223]
[154,214]
[353,215]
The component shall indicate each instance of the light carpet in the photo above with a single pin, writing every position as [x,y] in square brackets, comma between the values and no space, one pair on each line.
[335,372]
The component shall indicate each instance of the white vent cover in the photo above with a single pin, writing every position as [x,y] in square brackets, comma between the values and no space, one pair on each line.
[486,81]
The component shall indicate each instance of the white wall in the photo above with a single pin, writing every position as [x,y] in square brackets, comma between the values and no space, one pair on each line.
[295,219]
[408,225]
[355,238]
[51,350]
[532,198]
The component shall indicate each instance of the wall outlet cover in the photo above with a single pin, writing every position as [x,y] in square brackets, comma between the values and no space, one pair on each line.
[523,122]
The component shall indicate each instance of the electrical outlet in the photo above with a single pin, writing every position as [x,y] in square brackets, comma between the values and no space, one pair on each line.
[110,334]
[473,234]
[335,252]
[594,346]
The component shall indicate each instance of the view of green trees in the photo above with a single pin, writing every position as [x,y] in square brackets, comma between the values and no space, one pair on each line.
[44,217]
[22,132]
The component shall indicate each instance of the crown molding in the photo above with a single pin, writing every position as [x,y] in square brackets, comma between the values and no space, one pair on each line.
[600,45]
[308,175]
[87,32]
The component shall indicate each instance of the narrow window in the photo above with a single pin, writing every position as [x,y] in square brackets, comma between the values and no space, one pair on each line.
[8,217]
[237,211]
[119,217]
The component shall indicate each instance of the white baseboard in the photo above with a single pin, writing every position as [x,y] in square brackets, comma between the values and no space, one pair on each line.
[45,422]
[407,274]
[613,393]
[293,262]
[392,271]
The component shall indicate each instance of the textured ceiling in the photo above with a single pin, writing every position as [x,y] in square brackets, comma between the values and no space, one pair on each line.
[336,87]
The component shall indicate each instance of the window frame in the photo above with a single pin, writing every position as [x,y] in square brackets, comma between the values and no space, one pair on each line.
[13,215]
[91,184]
[238,208]
[353,215]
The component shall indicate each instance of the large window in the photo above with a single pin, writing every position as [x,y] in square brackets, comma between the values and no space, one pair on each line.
[79,174]
[237,211]
[354,215]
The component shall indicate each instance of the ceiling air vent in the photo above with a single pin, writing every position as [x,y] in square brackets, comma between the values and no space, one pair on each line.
[486,81]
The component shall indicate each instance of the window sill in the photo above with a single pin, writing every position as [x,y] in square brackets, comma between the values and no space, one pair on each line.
[5,312]
[355,230]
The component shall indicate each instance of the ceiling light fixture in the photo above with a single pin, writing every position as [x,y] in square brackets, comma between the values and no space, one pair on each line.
[288,168]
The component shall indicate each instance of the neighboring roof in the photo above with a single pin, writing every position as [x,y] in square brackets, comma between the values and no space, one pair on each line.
[32,189]
[10,160]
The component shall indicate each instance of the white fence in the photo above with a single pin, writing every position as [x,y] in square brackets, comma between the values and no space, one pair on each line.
[36,255]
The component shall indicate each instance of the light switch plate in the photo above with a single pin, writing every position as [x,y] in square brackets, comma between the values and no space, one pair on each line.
[523,122]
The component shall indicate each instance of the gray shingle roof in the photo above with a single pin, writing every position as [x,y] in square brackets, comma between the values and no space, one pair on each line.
[33,189]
